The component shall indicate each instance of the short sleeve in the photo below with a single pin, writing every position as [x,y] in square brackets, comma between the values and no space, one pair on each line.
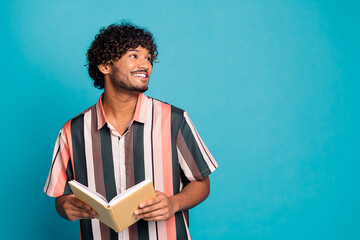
[61,169]
[195,159]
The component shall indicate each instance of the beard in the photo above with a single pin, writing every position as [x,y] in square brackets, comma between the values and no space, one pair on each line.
[121,81]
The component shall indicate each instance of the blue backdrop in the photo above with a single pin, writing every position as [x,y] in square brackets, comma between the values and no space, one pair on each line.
[272,87]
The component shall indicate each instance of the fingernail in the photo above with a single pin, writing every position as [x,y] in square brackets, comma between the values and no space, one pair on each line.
[142,205]
[136,212]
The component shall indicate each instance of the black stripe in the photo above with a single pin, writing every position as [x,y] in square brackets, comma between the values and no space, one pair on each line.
[181,233]
[108,165]
[52,166]
[139,171]
[138,150]
[177,115]
[78,144]
[108,169]
[70,176]
[194,149]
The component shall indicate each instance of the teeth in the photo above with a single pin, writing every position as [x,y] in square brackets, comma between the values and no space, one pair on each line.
[140,75]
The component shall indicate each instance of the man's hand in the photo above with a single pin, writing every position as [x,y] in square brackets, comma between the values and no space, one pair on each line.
[163,207]
[73,209]
[157,209]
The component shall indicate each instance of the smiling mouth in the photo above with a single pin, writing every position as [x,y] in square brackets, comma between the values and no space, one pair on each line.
[141,74]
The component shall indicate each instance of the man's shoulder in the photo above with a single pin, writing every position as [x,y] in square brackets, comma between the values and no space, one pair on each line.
[175,111]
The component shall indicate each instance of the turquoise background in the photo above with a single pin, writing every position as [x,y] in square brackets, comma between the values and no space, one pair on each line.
[272,86]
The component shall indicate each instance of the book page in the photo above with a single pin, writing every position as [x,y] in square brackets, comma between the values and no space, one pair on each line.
[128,192]
[97,196]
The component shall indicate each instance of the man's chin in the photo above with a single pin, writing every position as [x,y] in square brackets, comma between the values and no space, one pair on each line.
[141,90]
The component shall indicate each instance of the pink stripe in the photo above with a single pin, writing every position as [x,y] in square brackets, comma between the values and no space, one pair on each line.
[167,163]
[67,135]
[158,163]
[60,183]
[138,107]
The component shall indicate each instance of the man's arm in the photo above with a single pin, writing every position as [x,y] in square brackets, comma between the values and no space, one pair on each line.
[73,209]
[163,207]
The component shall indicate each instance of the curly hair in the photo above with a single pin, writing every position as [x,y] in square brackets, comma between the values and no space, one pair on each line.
[112,43]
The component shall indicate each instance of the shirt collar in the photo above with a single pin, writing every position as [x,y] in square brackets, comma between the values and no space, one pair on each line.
[139,115]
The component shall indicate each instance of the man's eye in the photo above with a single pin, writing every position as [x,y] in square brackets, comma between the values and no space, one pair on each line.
[148,59]
[133,55]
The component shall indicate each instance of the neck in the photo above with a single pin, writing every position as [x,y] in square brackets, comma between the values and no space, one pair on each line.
[119,105]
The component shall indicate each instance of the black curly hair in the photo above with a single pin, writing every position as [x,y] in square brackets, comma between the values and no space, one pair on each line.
[113,42]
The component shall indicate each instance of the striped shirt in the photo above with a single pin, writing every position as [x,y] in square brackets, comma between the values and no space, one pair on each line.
[160,144]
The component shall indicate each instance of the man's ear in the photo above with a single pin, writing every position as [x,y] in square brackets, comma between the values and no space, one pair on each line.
[104,68]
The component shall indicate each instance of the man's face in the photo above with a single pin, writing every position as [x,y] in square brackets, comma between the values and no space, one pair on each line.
[132,71]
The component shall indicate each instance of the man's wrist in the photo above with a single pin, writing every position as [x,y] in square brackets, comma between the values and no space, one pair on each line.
[175,204]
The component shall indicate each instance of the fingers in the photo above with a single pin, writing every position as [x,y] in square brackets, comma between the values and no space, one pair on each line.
[76,209]
[156,209]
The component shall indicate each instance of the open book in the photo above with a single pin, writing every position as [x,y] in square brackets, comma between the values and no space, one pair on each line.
[119,212]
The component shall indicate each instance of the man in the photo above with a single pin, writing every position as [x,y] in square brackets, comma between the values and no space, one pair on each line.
[127,137]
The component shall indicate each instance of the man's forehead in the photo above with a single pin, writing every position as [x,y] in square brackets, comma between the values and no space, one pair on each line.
[138,49]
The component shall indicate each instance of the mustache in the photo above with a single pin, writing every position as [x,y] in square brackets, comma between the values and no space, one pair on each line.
[140,71]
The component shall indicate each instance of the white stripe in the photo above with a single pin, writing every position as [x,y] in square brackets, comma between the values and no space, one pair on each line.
[118,147]
[90,168]
[184,166]
[147,143]
[186,226]
[124,235]
[157,142]
[116,153]
[56,149]
[57,145]
[198,141]
[157,154]
[148,160]
[54,175]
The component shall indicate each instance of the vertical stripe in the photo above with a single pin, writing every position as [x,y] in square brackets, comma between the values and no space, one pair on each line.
[186,226]
[158,162]
[119,170]
[77,135]
[180,226]
[148,164]
[70,176]
[107,160]
[56,186]
[129,159]
[167,163]
[108,168]
[138,149]
[90,167]
[54,158]
[138,107]
[139,171]
[68,139]
[129,168]
[176,119]
[98,166]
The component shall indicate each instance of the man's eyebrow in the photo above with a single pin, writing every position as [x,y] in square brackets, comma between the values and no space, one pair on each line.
[133,50]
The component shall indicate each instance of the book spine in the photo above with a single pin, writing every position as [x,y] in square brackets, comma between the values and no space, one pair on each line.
[115,220]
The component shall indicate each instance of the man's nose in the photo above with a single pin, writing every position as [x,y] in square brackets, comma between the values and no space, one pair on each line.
[143,63]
